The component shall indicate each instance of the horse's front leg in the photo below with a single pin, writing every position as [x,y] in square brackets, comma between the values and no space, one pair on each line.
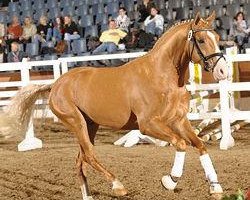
[158,129]
[206,162]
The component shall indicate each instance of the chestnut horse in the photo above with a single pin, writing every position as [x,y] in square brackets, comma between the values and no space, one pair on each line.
[147,93]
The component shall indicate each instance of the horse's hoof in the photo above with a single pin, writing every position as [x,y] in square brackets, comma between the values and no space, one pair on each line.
[118,192]
[168,183]
[88,198]
[217,196]
[215,188]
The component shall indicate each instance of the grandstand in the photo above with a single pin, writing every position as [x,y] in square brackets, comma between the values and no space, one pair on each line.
[92,16]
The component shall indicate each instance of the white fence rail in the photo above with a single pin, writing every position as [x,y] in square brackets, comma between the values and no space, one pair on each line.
[60,66]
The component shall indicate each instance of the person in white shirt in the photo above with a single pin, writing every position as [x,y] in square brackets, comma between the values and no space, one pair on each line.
[123,20]
[154,23]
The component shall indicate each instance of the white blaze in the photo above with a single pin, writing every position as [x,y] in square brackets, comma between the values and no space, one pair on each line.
[220,70]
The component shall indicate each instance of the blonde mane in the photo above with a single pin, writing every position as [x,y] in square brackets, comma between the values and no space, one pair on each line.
[179,23]
[162,38]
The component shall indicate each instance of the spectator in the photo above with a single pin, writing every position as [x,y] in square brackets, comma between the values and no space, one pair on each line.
[2,30]
[29,31]
[110,39]
[2,41]
[2,52]
[239,30]
[144,9]
[44,30]
[58,30]
[16,55]
[123,20]
[131,40]
[70,31]
[14,31]
[154,23]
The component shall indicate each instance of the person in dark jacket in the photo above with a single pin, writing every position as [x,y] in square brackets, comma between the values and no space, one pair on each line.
[58,29]
[16,55]
[44,30]
[144,9]
[70,31]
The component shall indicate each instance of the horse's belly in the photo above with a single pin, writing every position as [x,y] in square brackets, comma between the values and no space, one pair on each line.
[112,111]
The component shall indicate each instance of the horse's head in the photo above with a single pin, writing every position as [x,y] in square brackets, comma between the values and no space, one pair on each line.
[204,47]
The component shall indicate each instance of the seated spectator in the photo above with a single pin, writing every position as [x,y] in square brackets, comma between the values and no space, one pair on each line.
[131,40]
[2,30]
[123,20]
[144,9]
[2,52]
[2,39]
[154,23]
[44,30]
[239,30]
[16,55]
[110,39]
[29,31]
[70,31]
[58,30]
[14,31]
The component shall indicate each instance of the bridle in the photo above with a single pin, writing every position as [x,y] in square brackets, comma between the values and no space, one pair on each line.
[205,59]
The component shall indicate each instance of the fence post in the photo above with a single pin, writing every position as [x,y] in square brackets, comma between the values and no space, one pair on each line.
[227,140]
[56,70]
[30,142]
[64,66]
[231,52]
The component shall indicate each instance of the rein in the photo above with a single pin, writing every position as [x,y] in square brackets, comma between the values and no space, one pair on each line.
[205,59]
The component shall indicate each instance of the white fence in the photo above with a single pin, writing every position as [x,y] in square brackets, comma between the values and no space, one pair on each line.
[60,66]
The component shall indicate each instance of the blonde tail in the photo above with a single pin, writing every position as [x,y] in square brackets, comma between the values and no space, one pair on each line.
[15,118]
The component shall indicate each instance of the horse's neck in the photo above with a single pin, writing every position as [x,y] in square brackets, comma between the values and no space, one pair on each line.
[170,53]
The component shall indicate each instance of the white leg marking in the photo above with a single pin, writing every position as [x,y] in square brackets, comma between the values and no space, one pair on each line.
[117,185]
[179,160]
[208,168]
[84,193]
[211,175]
[176,171]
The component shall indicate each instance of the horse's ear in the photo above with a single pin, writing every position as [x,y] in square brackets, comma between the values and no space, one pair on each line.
[197,18]
[211,18]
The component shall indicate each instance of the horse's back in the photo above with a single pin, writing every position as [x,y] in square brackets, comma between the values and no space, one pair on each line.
[101,93]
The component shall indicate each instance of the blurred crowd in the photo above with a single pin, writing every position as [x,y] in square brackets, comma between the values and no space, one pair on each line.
[56,36]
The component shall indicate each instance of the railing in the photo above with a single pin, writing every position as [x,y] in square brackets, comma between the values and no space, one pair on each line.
[60,66]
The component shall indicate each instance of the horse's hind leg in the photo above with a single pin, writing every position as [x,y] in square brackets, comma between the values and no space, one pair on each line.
[81,165]
[74,120]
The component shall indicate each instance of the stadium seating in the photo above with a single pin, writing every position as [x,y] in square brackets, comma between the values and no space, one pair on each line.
[32,49]
[3,17]
[79,46]
[91,31]
[52,4]
[92,15]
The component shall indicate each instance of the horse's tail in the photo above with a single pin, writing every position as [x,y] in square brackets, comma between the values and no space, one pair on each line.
[15,118]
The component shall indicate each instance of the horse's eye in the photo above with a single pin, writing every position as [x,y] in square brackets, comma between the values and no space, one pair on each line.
[201,41]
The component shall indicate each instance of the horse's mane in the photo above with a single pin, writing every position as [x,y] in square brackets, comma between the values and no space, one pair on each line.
[179,23]
[160,40]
